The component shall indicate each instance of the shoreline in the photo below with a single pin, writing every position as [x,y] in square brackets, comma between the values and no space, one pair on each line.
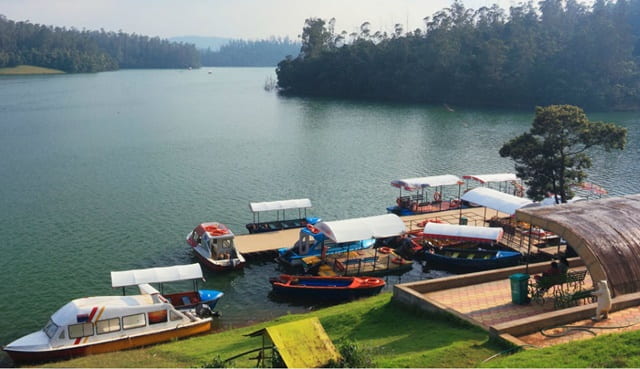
[28,70]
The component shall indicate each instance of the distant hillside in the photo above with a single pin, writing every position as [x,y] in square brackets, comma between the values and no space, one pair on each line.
[203,42]
[241,53]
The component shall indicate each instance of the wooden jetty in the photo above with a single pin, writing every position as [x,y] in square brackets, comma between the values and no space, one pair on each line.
[266,244]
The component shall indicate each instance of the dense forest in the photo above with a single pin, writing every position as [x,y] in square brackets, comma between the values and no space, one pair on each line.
[261,53]
[558,52]
[71,50]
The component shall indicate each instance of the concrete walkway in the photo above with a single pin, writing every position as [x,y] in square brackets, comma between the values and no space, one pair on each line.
[484,299]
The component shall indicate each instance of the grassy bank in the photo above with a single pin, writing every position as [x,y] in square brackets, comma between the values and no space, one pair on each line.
[393,335]
[397,336]
[28,69]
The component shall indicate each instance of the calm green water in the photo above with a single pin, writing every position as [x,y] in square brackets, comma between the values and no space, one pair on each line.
[109,171]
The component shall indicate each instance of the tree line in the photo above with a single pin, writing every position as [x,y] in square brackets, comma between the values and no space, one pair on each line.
[560,52]
[260,53]
[74,51]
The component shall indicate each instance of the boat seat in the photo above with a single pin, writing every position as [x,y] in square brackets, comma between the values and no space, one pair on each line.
[186,300]
[471,256]
[455,254]
[487,256]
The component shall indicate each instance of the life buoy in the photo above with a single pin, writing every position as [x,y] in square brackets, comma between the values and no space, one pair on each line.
[313,229]
[397,260]
[385,250]
[437,196]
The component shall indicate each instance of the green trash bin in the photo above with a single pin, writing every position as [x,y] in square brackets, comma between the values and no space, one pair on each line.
[463,220]
[519,288]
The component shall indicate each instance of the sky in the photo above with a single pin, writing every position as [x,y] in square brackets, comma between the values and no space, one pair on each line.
[246,19]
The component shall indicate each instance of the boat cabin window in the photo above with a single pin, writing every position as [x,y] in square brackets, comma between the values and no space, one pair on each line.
[133,321]
[107,325]
[80,330]
[50,328]
[156,317]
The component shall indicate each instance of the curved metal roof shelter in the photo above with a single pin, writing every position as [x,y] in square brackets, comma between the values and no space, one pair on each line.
[604,233]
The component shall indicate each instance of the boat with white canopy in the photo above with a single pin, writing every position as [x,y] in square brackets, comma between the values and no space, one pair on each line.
[280,208]
[496,200]
[462,233]
[421,202]
[185,299]
[333,237]
[503,182]
[475,249]
[98,324]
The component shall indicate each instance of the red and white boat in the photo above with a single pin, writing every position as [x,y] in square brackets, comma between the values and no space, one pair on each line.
[214,246]
[93,325]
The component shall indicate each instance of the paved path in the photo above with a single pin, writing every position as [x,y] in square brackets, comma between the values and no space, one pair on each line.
[490,304]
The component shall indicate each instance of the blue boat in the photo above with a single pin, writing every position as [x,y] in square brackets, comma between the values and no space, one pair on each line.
[328,238]
[464,260]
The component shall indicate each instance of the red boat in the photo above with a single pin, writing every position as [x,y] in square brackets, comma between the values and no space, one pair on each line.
[319,287]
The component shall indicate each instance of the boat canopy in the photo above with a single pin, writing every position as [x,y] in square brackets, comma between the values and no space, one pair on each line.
[411,184]
[357,229]
[499,177]
[462,232]
[280,205]
[496,200]
[156,275]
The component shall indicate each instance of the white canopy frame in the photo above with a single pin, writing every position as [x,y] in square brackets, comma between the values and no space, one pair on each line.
[356,229]
[496,200]
[420,184]
[506,182]
[279,206]
[160,275]
[462,232]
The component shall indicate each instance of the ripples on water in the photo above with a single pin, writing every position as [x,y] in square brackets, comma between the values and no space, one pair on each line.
[109,171]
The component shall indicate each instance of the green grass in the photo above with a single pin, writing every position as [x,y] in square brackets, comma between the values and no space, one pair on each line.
[394,335]
[28,69]
[397,336]
[603,351]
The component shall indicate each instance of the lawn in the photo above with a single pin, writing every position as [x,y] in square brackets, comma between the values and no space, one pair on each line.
[393,335]
[28,69]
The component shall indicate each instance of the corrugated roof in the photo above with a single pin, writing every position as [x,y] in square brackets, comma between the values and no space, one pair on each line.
[605,233]
[302,343]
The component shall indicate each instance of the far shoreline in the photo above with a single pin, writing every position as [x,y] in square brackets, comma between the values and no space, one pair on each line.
[27,70]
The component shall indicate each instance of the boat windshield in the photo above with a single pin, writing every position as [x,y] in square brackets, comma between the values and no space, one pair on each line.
[50,328]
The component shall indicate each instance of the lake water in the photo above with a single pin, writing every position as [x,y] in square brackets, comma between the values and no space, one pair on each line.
[110,171]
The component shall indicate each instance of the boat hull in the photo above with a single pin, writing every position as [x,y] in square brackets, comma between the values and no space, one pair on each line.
[460,259]
[123,343]
[236,263]
[327,288]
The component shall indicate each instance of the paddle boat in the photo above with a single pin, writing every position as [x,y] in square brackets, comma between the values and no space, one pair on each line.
[204,301]
[335,237]
[281,222]
[93,325]
[214,246]
[420,203]
[323,288]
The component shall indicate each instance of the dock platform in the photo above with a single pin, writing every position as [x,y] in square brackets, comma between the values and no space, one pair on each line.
[266,244]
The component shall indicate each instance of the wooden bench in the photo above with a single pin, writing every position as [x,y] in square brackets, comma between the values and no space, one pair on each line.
[557,285]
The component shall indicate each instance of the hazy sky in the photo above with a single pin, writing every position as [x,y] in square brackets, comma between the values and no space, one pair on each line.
[248,19]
